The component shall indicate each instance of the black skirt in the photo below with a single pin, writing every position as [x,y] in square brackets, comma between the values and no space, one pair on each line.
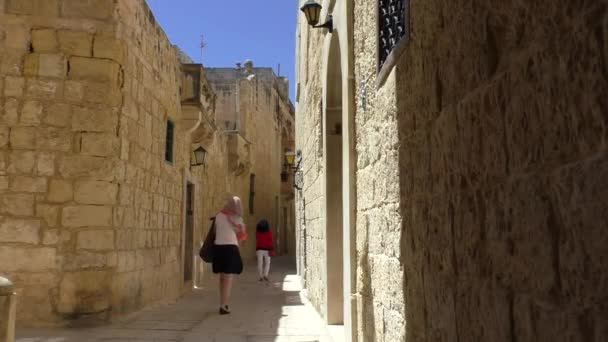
[227,259]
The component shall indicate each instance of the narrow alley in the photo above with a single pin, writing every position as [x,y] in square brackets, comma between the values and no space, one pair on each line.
[261,312]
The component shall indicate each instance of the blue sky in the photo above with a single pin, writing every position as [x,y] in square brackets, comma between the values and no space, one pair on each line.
[234,30]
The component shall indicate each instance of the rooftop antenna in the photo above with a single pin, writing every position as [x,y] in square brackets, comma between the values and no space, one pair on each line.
[203,45]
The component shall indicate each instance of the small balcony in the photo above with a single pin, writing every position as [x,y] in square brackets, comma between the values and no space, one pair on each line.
[198,103]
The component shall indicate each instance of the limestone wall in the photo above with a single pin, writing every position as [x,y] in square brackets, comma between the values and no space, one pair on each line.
[250,100]
[481,162]
[91,216]
[149,213]
[504,129]
[310,202]
[59,108]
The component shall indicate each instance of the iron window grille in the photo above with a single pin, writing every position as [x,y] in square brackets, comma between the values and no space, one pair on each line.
[169,141]
[393,28]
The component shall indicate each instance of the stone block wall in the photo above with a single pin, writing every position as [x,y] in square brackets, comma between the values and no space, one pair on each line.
[502,121]
[59,104]
[481,162]
[149,213]
[90,212]
[310,202]
[251,100]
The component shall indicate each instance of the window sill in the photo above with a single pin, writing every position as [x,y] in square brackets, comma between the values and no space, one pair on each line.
[390,62]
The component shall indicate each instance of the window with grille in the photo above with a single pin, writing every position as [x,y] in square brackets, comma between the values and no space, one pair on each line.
[169,141]
[393,28]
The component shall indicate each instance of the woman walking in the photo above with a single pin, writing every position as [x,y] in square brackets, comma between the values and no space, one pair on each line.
[264,248]
[229,231]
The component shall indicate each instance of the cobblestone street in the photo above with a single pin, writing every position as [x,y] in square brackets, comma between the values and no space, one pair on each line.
[261,312]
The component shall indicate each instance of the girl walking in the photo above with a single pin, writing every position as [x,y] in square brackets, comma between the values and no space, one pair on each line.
[229,231]
[264,248]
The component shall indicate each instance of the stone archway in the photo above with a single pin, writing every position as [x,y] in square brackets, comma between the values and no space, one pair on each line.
[339,161]
[334,180]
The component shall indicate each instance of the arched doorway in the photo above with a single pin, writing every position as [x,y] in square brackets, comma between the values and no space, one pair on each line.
[334,184]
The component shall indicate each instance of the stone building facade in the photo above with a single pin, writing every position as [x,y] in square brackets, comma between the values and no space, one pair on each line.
[256,115]
[455,179]
[101,210]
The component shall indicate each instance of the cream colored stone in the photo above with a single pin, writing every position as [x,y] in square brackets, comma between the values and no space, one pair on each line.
[98,240]
[23,231]
[95,69]
[51,237]
[3,162]
[12,63]
[49,213]
[60,191]
[110,48]
[27,259]
[4,136]
[75,43]
[21,162]
[44,40]
[31,113]
[28,184]
[124,149]
[54,139]
[87,216]
[92,119]
[99,144]
[96,9]
[43,89]
[16,37]
[85,166]
[45,65]
[52,65]
[84,292]
[17,204]
[33,7]
[74,91]
[3,183]
[11,112]
[14,86]
[31,65]
[106,93]
[23,138]
[45,165]
[84,259]
[58,114]
[95,192]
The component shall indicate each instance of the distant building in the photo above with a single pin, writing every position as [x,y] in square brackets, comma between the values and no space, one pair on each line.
[253,109]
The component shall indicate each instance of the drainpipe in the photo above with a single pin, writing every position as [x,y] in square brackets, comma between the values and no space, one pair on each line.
[8,306]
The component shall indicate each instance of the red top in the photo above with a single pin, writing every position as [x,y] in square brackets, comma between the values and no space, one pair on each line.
[264,240]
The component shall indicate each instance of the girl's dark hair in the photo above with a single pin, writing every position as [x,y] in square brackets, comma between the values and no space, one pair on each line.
[263,226]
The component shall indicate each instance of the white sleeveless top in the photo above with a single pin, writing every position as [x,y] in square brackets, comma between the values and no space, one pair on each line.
[225,232]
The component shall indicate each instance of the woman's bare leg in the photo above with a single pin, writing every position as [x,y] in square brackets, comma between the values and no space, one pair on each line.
[225,288]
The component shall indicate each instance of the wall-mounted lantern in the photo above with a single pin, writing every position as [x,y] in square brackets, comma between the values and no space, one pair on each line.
[199,156]
[294,160]
[312,11]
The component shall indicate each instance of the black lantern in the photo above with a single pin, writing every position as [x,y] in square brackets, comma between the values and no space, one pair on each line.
[312,11]
[199,156]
